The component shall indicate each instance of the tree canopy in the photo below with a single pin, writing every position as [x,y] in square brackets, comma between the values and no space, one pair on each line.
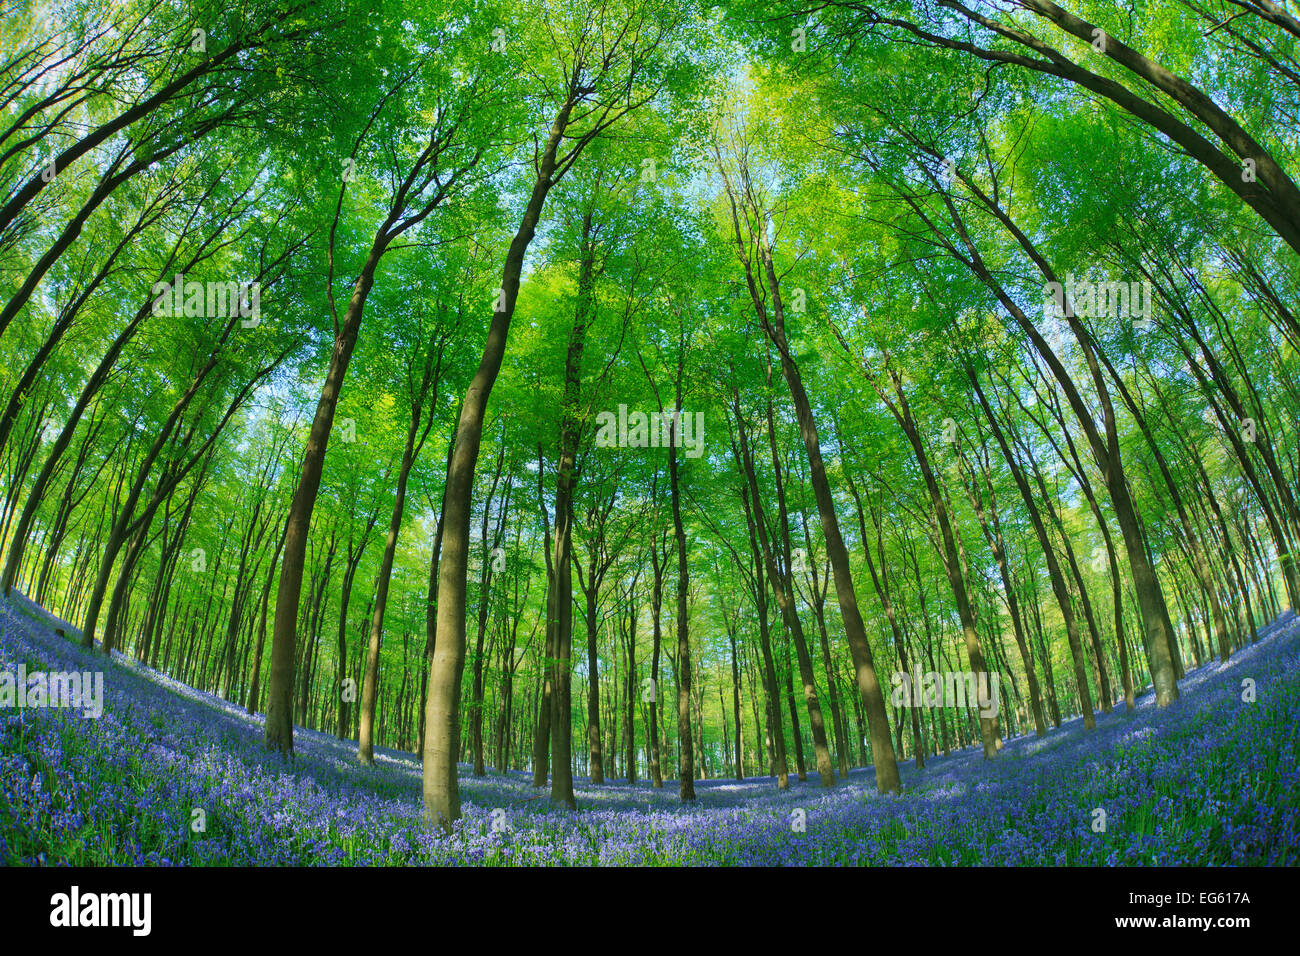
[653,389]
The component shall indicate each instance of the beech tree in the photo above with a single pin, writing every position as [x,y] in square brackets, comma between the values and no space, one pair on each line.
[628,391]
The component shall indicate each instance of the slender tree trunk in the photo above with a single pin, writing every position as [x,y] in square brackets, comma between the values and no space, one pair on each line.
[685,743]
[442,718]
[370,684]
[284,635]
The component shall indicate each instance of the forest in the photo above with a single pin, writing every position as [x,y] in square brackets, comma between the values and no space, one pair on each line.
[472,424]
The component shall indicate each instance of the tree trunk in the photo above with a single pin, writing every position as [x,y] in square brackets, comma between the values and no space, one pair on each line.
[279,708]
[442,717]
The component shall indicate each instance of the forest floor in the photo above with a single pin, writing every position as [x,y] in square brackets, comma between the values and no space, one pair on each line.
[172,775]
